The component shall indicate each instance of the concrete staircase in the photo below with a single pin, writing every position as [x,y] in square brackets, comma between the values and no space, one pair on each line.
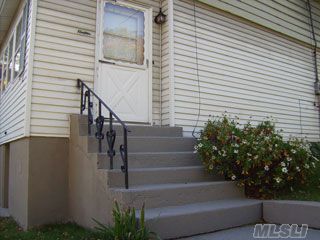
[181,199]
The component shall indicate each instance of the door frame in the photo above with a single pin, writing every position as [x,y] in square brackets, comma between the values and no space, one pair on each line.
[148,47]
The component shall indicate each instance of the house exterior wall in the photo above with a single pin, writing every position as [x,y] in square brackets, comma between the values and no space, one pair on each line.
[62,55]
[243,69]
[13,101]
[288,17]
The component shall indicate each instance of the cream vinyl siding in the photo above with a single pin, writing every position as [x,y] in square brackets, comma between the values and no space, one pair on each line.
[13,99]
[285,16]
[243,70]
[62,55]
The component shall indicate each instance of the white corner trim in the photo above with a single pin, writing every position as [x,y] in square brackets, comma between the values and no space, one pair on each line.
[99,8]
[150,59]
[34,7]
[171,63]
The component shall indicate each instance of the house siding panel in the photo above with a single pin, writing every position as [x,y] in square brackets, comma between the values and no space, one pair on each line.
[288,17]
[243,69]
[62,56]
[13,99]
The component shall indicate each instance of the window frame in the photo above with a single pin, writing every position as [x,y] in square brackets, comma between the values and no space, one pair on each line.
[146,53]
[10,60]
[138,13]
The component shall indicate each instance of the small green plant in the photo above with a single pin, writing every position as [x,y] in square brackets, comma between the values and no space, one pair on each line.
[126,226]
[256,156]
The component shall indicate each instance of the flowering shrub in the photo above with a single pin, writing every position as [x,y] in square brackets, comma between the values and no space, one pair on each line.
[257,157]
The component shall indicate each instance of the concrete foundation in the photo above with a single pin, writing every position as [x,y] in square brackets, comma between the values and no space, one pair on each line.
[4,176]
[37,182]
[48,180]
[88,190]
[18,181]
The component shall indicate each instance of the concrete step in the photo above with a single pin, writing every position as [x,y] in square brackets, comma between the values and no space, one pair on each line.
[161,195]
[191,219]
[142,176]
[292,212]
[151,160]
[146,144]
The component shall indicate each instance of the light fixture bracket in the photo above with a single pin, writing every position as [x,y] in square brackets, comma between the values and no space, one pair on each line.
[160,18]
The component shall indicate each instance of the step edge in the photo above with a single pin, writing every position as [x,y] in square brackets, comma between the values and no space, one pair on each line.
[238,203]
[163,169]
[152,153]
[146,137]
[167,186]
[135,126]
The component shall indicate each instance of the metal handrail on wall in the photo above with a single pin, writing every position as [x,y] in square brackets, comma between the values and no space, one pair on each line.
[86,102]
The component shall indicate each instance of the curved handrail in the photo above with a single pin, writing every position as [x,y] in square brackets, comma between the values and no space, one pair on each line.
[111,134]
[103,103]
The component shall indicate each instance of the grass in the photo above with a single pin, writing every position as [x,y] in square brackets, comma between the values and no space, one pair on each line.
[11,231]
[126,227]
[309,192]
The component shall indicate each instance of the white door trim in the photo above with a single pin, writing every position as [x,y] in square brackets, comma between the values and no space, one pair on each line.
[148,46]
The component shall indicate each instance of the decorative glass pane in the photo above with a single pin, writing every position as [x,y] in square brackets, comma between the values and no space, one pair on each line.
[10,71]
[123,35]
[23,50]
[10,59]
[5,58]
[1,70]
[18,34]
[10,48]
[17,64]
[24,19]
[5,81]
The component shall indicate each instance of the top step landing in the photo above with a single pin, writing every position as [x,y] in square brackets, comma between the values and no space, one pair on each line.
[135,130]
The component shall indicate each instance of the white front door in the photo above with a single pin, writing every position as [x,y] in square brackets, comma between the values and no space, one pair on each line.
[124,78]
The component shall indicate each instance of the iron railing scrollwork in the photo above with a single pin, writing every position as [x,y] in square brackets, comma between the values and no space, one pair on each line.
[86,102]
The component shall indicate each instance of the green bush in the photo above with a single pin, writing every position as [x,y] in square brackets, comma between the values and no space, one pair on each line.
[315,178]
[257,157]
[126,226]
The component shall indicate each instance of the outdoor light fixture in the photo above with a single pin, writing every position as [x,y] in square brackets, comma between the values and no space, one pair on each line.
[160,18]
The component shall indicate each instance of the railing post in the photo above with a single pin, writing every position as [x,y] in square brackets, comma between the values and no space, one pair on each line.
[111,137]
[125,139]
[81,101]
[90,117]
[100,139]
[99,124]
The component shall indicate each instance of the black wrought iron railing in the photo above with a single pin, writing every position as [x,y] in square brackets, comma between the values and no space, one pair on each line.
[87,97]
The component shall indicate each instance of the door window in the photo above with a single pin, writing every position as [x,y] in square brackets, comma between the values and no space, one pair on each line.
[123,34]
